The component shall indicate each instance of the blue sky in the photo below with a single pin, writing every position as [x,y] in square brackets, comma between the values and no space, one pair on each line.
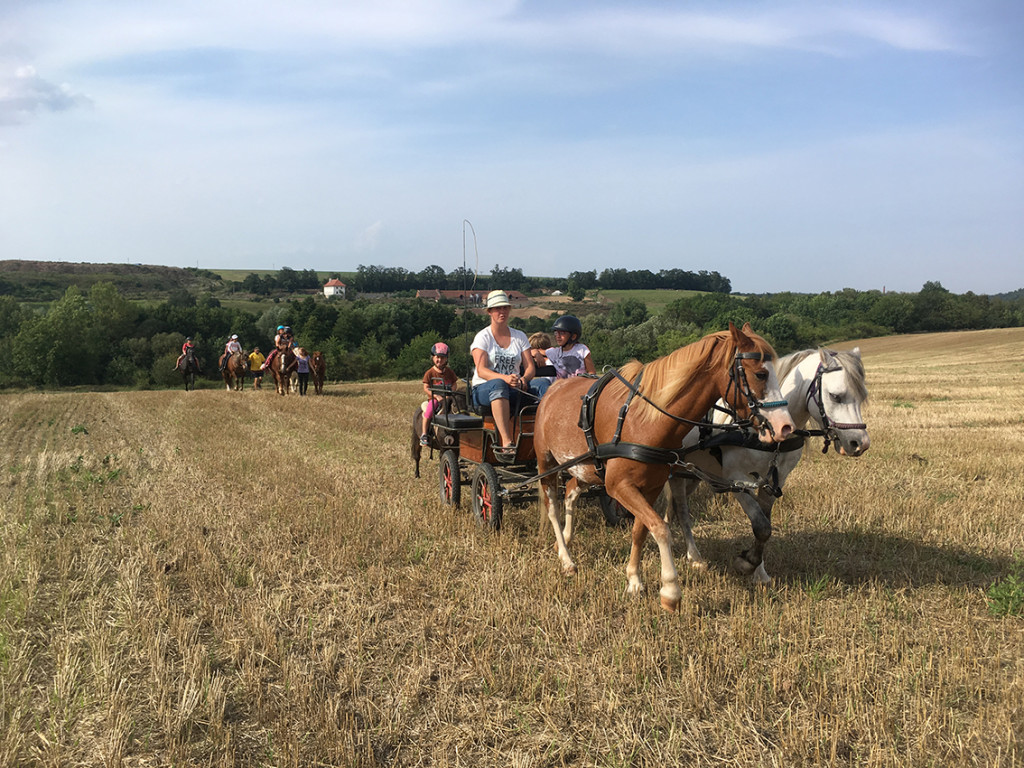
[801,146]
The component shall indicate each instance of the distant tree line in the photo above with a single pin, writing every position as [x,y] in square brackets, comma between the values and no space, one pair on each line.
[100,338]
[376,279]
[287,280]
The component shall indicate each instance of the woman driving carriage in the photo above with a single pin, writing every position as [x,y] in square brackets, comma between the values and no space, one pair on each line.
[504,369]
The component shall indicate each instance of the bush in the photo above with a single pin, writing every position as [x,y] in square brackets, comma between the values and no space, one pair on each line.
[1006,596]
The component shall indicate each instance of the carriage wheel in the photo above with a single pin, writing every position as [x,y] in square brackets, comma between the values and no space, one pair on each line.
[451,479]
[487,497]
[614,513]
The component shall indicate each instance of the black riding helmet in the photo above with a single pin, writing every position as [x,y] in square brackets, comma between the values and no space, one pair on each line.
[570,324]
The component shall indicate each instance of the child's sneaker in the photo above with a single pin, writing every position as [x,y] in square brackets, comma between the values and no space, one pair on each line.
[424,440]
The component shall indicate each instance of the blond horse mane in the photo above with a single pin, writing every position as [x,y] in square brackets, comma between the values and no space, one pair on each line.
[666,378]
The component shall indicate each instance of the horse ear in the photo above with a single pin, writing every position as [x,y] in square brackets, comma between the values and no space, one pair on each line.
[747,329]
[855,352]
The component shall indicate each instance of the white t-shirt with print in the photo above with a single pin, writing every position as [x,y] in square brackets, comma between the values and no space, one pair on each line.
[504,360]
[569,363]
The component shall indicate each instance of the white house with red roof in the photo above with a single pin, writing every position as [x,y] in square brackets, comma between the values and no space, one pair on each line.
[334,287]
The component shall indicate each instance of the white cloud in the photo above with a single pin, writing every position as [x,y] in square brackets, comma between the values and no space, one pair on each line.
[26,93]
[369,238]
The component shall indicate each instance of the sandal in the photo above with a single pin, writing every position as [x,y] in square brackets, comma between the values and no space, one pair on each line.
[505,454]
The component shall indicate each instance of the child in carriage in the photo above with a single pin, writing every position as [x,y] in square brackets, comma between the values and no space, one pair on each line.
[439,374]
[568,355]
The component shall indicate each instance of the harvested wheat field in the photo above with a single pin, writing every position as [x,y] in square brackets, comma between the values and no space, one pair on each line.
[222,579]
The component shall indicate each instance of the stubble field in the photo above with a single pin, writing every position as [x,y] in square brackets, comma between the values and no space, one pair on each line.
[222,579]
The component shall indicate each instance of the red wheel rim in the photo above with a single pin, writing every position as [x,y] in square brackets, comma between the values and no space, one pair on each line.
[448,482]
[484,497]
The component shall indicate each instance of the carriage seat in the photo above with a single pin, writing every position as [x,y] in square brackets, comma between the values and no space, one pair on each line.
[457,421]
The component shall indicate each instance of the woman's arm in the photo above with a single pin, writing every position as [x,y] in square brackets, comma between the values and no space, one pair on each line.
[484,370]
[529,369]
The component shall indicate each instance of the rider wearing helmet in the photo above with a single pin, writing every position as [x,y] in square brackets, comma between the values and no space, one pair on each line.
[439,374]
[569,356]
[232,346]
[188,345]
[283,341]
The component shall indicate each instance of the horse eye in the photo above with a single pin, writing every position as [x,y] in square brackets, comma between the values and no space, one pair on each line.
[836,398]
[761,375]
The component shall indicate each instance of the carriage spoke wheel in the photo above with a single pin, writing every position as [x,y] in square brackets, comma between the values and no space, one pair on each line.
[451,480]
[487,502]
[614,513]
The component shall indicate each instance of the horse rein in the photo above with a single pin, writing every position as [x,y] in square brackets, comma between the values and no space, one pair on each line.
[829,429]
[738,376]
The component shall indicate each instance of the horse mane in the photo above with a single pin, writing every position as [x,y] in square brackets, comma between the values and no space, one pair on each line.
[849,362]
[666,378]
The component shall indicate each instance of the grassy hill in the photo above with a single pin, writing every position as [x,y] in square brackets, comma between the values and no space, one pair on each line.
[47,280]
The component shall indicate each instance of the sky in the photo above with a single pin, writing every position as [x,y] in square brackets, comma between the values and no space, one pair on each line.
[789,146]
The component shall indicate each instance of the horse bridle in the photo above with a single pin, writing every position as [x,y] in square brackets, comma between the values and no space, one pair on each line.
[829,429]
[738,377]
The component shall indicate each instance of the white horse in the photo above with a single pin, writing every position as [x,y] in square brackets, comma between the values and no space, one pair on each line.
[824,386]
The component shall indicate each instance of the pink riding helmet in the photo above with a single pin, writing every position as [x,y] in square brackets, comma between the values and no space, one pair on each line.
[439,349]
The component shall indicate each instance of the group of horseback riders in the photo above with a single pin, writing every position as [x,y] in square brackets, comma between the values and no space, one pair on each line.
[284,341]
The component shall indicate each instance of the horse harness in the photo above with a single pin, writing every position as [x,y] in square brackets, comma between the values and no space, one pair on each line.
[601,452]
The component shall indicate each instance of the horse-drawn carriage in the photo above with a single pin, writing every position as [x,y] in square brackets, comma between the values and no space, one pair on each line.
[466,443]
[624,434]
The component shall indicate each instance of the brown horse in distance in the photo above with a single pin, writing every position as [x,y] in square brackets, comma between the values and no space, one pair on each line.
[671,393]
[282,368]
[317,372]
[234,372]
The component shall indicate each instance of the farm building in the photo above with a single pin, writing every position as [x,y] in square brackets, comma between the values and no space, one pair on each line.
[474,298]
[334,287]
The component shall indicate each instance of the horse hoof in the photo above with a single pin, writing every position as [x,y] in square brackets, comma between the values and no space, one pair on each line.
[698,565]
[760,576]
[670,604]
[569,570]
[743,566]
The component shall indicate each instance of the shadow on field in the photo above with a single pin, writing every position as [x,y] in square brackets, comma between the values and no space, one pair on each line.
[332,392]
[855,557]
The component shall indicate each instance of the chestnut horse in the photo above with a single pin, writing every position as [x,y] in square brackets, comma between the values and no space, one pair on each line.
[282,368]
[634,425]
[317,371]
[234,372]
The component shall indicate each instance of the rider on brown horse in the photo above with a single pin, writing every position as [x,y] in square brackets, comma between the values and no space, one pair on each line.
[230,348]
[282,341]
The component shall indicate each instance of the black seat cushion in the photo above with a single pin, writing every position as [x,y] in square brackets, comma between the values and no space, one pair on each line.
[458,421]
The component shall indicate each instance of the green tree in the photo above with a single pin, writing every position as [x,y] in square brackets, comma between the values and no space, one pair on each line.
[58,348]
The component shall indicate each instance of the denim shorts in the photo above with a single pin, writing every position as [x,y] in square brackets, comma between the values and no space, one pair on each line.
[496,389]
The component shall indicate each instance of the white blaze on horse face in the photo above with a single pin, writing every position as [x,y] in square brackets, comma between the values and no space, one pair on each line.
[778,417]
[842,408]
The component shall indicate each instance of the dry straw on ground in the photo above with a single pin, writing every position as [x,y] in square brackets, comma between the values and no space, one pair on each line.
[225,579]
